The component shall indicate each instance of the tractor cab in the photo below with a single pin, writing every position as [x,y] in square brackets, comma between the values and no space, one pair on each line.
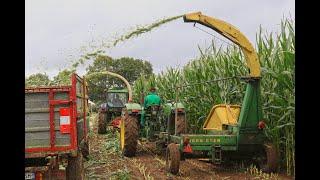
[110,111]
[117,98]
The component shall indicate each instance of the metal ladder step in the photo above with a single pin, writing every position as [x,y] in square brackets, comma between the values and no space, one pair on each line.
[217,154]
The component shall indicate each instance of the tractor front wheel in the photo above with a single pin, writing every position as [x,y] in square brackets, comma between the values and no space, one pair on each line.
[172,158]
[102,125]
[129,133]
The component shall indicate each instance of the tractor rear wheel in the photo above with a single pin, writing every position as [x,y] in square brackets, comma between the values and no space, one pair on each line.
[102,125]
[269,162]
[172,158]
[129,133]
[181,124]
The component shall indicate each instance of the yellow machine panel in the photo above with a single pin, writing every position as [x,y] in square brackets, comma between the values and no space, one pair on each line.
[222,114]
[233,34]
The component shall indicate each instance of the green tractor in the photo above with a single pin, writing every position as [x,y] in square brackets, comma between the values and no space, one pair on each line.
[157,119]
[173,122]
[128,111]
[110,112]
[153,122]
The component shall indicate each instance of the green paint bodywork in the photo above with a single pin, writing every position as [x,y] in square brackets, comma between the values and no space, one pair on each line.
[250,115]
[154,124]
[117,91]
[201,142]
[243,137]
[133,106]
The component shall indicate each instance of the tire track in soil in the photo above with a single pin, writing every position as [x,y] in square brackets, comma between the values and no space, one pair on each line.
[146,164]
[104,164]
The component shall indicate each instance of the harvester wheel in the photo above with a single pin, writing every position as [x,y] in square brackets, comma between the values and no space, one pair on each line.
[270,160]
[75,168]
[172,158]
[101,123]
[129,134]
[181,124]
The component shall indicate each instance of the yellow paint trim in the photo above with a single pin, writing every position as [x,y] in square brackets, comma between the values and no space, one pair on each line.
[122,132]
[222,114]
[233,34]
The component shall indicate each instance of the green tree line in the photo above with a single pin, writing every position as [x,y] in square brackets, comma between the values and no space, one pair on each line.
[127,67]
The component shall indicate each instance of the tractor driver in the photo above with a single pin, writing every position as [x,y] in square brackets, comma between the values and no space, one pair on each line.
[151,99]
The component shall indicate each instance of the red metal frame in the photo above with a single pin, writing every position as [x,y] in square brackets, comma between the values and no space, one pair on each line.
[73,115]
[46,89]
[51,118]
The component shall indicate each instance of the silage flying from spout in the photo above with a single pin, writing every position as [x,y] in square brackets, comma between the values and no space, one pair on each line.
[139,30]
[144,29]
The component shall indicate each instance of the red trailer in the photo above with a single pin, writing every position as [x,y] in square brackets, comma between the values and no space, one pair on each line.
[56,130]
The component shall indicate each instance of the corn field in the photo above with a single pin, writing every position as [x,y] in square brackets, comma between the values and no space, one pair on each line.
[277,58]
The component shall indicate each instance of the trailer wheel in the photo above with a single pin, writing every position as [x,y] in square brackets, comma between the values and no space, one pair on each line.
[101,123]
[129,133]
[269,161]
[84,146]
[172,158]
[181,124]
[75,168]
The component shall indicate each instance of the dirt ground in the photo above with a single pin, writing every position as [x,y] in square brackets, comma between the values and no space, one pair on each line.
[106,162]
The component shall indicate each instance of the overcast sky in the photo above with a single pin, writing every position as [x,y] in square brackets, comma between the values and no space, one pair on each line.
[58,30]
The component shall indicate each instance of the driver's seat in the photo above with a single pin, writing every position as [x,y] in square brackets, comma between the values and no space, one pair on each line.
[153,107]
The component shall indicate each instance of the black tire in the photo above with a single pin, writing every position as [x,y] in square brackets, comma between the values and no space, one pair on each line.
[269,161]
[131,134]
[160,147]
[181,124]
[84,146]
[272,157]
[108,118]
[53,172]
[182,156]
[102,125]
[75,169]
[172,158]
